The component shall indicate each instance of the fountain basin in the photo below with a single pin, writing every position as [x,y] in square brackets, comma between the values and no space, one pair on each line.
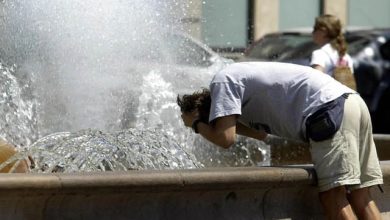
[285,192]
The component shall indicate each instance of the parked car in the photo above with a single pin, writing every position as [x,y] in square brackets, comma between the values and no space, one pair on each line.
[381,118]
[364,45]
[179,58]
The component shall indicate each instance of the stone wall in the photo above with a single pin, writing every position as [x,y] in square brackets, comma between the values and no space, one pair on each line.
[220,193]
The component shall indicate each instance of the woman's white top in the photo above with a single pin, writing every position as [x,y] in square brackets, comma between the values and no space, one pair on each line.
[327,57]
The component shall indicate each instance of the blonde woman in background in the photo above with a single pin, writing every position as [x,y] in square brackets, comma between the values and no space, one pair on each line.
[328,34]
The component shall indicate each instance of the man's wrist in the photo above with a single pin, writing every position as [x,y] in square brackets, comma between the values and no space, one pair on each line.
[194,125]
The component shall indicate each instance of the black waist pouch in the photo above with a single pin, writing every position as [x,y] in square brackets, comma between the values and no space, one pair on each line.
[326,121]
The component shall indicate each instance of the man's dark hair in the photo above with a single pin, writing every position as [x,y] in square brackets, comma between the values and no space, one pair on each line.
[200,100]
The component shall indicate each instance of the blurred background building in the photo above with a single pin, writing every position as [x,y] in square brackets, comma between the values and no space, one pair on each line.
[231,25]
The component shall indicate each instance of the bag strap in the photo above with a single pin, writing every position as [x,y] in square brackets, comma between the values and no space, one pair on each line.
[342,62]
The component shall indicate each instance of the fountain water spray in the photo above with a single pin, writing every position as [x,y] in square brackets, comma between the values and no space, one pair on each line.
[98,85]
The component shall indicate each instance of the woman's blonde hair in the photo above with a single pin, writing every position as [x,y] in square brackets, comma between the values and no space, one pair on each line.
[333,27]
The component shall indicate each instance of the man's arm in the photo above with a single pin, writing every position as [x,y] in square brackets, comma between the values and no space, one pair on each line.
[223,131]
[244,130]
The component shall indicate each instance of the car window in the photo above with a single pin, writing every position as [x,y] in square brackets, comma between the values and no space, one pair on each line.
[302,51]
[271,47]
[357,44]
[184,51]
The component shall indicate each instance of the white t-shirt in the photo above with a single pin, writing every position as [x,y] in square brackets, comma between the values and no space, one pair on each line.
[327,57]
[275,97]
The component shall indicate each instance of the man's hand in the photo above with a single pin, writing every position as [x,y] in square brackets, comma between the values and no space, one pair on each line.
[189,117]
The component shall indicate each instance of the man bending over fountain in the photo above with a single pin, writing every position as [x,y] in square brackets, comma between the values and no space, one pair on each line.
[296,102]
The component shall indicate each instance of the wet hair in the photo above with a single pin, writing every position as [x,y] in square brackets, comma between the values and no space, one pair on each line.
[199,100]
[332,26]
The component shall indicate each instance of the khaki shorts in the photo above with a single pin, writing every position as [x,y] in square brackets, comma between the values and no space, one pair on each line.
[337,161]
